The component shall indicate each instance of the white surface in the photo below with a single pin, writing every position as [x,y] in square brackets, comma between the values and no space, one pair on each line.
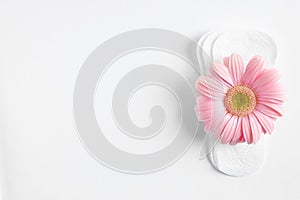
[42,46]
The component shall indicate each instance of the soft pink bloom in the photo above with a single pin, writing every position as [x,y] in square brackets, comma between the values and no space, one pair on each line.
[239,103]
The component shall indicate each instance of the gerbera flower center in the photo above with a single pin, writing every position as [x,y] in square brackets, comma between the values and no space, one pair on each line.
[240,100]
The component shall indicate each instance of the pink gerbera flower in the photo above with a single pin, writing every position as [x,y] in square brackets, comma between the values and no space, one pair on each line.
[237,104]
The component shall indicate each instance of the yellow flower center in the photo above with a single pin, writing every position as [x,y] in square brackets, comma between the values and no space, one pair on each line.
[240,100]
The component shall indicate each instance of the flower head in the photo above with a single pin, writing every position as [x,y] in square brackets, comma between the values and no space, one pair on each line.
[239,103]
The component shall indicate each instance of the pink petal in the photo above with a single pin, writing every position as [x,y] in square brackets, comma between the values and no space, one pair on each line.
[275,88]
[266,123]
[210,87]
[273,93]
[254,127]
[271,98]
[219,123]
[236,68]
[204,108]
[238,132]
[221,73]
[207,126]
[242,139]
[226,61]
[271,101]
[269,109]
[246,130]
[253,70]
[229,130]
[266,79]
[212,112]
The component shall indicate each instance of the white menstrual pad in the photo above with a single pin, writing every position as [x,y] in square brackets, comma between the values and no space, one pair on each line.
[241,159]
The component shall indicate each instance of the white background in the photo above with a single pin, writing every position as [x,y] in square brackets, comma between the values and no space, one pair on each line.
[44,43]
